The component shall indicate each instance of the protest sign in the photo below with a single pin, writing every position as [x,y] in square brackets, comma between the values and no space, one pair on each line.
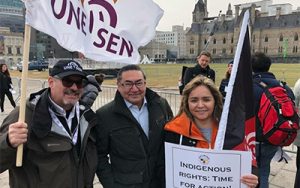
[190,167]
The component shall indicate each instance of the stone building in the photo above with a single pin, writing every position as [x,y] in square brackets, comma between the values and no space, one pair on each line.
[276,34]
[41,45]
[11,46]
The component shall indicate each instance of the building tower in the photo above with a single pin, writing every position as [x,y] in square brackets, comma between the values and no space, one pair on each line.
[200,12]
[229,11]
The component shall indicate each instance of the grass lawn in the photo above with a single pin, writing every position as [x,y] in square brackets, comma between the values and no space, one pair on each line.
[166,75]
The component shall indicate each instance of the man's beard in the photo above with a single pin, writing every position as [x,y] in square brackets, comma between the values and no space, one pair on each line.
[70,103]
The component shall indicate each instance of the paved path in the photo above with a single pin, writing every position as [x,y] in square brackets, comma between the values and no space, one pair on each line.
[282,175]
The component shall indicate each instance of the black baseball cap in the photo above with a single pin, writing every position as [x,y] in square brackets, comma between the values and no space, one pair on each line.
[65,68]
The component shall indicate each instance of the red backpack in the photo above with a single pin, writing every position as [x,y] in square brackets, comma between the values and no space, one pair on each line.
[277,119]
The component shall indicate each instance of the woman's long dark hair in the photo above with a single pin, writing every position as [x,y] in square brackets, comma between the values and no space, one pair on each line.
[6,72]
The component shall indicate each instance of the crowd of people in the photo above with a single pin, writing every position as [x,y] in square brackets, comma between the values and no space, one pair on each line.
[66,143]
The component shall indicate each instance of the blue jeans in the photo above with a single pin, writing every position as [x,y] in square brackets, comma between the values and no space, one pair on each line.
[264,156]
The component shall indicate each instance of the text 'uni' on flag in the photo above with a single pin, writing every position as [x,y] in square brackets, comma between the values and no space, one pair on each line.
[102,30]
[237,124]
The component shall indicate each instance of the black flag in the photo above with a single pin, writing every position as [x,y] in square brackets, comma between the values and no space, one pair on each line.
[238,118]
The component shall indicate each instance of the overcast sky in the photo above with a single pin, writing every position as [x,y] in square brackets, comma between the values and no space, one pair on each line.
[179,12]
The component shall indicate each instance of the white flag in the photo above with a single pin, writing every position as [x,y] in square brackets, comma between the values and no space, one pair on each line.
[102,30]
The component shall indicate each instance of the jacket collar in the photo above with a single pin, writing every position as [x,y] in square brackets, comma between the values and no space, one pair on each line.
[150,96]
[265,75]
[183,125]
[41,119]
[121,108]
[202,69]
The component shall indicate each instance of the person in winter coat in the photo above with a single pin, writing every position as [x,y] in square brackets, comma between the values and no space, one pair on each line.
[264,151]
[58,136]
[130,132]
[202,68]
[91,90]
[5,86]
[225,81]
[296,90]
[196,123]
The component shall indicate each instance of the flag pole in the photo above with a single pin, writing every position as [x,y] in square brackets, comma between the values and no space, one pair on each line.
[26,48]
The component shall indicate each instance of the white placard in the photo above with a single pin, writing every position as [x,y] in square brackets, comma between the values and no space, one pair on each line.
[190,167]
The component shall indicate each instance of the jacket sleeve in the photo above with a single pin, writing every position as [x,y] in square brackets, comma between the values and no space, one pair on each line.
[222,88]
[167,110]
[104,171]
[7,153]
[161,158]
[90,94]
[188,75]
[213,75]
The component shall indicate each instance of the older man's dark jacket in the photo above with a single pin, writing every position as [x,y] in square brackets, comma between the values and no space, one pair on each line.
[134,159]
[192,72]
[50,160]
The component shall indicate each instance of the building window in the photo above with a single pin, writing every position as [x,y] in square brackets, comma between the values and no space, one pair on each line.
[266,39]
[281,38]
[224,40]
[265,50]
[231,50]
[215,41]
[214,51]
[231,40]
[191,42]
[205,41]
[280,49]
[9,50]
[18,51]
[224,51]
[192,51]
[295,49]
[296,37]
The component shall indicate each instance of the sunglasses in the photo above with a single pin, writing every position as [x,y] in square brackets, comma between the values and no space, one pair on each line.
[68,82]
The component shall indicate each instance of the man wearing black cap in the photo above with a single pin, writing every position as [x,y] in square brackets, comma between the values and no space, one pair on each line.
[58,136]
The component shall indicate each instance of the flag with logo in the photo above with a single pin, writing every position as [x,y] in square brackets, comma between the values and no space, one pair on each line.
[102,30]
[237,124]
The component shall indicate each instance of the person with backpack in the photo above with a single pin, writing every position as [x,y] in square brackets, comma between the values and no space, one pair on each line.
[262,80]
[297,140]
[202,68]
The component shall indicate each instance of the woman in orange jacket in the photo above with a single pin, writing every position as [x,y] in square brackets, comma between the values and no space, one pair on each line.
[196,124]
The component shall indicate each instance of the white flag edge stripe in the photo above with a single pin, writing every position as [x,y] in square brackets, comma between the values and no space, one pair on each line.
[224,117]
